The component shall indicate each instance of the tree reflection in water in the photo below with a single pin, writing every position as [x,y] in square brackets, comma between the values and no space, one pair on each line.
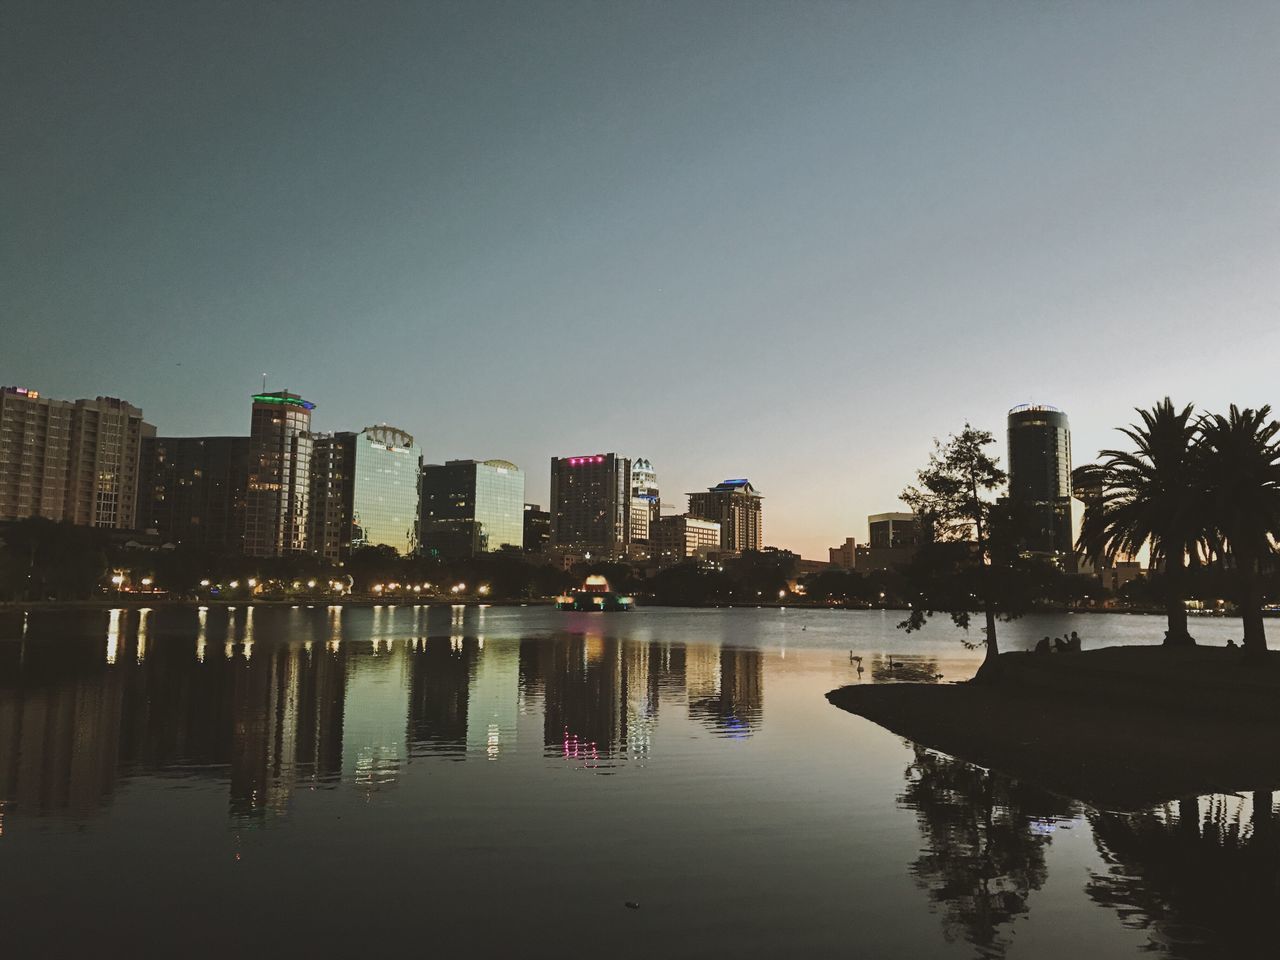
[984,842]
[908,669]
[1201,876]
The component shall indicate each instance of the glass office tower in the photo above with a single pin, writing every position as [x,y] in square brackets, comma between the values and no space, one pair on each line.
[1040,479]
[279,485]
[470,507]
[364,492]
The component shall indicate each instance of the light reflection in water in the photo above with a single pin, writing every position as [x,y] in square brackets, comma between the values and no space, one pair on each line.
[113,635]
[261,732]
[202,632]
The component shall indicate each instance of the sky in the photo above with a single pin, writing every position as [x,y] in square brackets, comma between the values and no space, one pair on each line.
[790,241]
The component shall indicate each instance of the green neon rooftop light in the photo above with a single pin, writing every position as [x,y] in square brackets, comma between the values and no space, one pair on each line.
[283,399]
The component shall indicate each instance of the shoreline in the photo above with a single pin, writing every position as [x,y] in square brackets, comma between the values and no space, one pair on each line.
[107,603]
[1120,728]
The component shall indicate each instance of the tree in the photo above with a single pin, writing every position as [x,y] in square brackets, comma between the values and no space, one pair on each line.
[952,509]
[1153,497]
[1242,481]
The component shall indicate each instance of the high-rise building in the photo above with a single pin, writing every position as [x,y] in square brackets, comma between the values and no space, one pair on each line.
[1040,479]
[66,460]
[364,492]
[279,485]
[35,454]
[675,539]
[591,504]
[472,506]
[193,491]
[737,507]
[646,503]
[537,528]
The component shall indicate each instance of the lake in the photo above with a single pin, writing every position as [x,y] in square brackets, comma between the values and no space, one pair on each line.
[505,781]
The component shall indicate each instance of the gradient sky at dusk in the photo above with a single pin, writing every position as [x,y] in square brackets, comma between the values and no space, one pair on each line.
[790,241]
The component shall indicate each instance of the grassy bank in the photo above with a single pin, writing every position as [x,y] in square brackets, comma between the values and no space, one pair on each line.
[1120,727]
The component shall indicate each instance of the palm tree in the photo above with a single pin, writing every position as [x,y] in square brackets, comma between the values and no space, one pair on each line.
[1242,480]
[1151,497]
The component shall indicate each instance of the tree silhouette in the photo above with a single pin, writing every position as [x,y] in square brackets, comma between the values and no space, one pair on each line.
[1152,496]
[954,513]
[1242,476]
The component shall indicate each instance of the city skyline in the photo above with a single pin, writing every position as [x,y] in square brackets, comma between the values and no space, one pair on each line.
[736,238]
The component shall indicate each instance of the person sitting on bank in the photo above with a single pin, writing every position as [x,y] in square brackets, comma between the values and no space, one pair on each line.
[1073,643]
[1060,644]
[1231,644]
[1043,646]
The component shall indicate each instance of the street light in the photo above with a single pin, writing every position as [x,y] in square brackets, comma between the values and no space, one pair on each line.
[147,581]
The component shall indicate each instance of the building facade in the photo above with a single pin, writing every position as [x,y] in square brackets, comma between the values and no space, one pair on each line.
[472,506]
[738,508]
[277,502]
[845,555]
[537,528]
[364,492]
[193,490]
[591,504]
[1040,480]
[892,540]
[646,503]
[76,461]
[676,539]
[893,530]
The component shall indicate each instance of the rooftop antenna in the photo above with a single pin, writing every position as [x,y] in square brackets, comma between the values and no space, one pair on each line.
[264,383]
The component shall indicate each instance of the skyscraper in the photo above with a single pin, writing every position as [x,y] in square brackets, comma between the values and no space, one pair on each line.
[737,507]
[76,461]
[193,491]
[591,503]
[1040,480]
[364,492]
[277,501]
[472,506]
[645,501]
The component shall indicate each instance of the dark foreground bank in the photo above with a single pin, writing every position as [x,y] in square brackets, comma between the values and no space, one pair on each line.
[1120,727]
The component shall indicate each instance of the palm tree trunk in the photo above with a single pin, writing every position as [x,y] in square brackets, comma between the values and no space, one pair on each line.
[1255,636]
[1175,605]
[993,648]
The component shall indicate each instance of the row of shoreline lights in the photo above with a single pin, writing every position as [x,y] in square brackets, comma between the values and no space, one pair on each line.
[252,582]
[483,589]
[118,581]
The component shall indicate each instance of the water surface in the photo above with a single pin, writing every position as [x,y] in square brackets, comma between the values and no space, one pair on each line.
[503,781]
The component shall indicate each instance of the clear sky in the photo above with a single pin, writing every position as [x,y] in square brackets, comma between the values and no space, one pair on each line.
[792,241]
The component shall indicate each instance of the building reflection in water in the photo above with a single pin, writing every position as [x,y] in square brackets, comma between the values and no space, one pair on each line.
[314,697]
[726,689]
[439,670]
